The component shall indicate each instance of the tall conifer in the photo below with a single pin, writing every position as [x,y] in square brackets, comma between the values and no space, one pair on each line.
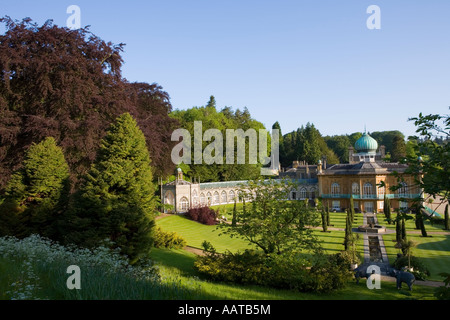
[117,199]
[36,193]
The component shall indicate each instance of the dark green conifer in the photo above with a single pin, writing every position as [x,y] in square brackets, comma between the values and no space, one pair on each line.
[117,200]
[36,193]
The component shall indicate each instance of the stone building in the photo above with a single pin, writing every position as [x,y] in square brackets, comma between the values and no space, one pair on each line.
[361,178]
[334,184]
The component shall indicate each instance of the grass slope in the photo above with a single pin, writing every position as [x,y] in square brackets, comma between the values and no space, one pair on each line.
[195,233]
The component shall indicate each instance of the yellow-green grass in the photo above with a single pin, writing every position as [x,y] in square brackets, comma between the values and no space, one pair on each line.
[195,233]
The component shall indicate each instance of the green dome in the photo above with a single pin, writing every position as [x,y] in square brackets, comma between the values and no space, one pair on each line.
[366,144]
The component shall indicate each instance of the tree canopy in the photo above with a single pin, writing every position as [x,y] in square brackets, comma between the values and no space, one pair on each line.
[305,144]
[223,120]
[273,224]
[67,84]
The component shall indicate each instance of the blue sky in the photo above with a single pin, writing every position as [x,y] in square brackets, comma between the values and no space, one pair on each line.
[288,61]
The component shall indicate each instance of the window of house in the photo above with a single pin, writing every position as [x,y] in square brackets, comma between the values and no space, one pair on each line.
[367,190]
[403,191]
[232,196]
[303,193]
[202,199]
[224,197]
[216,198]
[184,204]
[335,189]
[355,189]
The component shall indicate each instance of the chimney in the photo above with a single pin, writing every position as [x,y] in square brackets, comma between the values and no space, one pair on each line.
[350,154]
[324,162]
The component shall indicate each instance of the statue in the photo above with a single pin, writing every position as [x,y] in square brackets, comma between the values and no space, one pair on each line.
[361,273]
[403,277]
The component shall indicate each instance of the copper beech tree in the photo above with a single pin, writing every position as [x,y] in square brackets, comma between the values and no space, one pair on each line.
[67,84]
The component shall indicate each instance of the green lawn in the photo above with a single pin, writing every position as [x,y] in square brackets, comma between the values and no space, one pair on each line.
[195,233]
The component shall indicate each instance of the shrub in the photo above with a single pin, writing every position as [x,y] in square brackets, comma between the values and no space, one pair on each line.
[421,272]
[169,240]
[292,271]
[203,215]
[244,268]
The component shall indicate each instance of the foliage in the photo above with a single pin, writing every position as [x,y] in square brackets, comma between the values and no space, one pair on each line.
[285,271]
[243,268]
[324,220]
[203,215]
[387,209]
[420,272]
[116,201]
[169,240]
[223,120]
[446,218]
[67,84]
[273,224]
[37,270]
[443,292]
[398,152]
[340,145]
[305,144]
[36,193]
[430,164]
[348,237]
[387,138]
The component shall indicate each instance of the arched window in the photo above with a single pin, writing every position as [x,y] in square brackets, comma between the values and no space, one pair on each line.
[355,189]
[202,199]
[224,197]
[216,198]
[184,204]
[195,198]
[335,189]
[303,193]
[403,191]
[208,198]
[232,196]
[293,194]
[367,190]
[169,198]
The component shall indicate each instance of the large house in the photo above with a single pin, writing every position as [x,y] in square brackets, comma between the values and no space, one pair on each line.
[361,177]
[335,184]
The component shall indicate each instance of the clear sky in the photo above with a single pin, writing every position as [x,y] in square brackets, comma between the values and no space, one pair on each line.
[288,61]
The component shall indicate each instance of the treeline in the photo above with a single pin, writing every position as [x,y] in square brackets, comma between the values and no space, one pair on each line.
[222,120]
[67,84]
[307,144]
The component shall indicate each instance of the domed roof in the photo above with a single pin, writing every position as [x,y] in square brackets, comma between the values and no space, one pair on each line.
[366,144]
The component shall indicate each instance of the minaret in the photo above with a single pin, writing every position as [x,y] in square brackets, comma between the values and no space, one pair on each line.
[179,175]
